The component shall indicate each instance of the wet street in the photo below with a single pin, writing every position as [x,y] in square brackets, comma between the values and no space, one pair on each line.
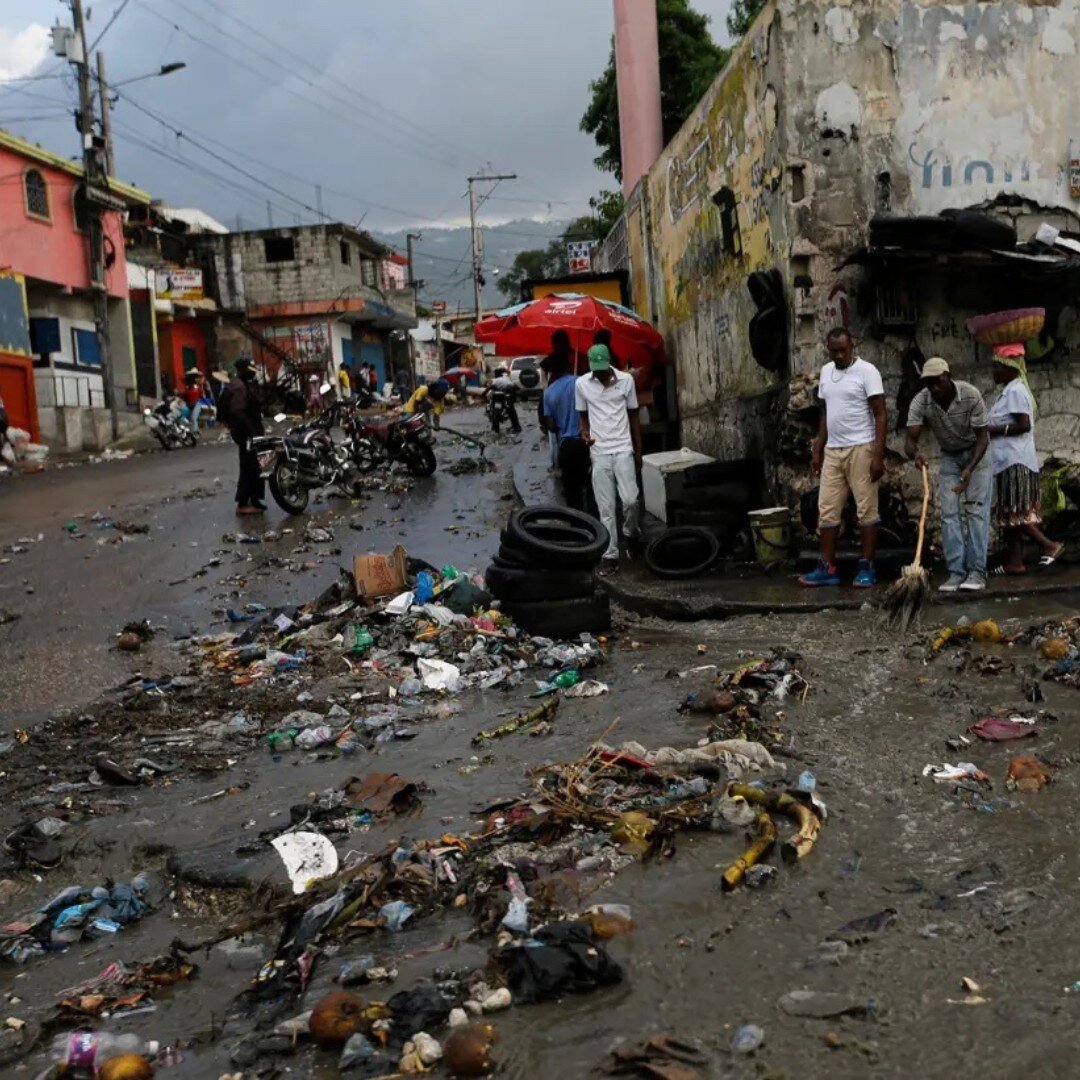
[912,888]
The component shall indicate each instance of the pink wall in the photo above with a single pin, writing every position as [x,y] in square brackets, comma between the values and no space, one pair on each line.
[637,71]
[51,250]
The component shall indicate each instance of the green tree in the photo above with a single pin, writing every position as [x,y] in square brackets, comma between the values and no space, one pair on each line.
[689,61]
[608,208]
[742,16]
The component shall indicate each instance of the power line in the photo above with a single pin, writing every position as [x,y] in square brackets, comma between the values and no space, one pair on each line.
[427,132]
[164,121]
[108,26]
[349,118]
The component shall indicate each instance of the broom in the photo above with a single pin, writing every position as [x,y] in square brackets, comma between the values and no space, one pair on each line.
[905,597]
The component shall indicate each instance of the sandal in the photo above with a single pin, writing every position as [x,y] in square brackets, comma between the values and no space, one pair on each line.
[1049,560]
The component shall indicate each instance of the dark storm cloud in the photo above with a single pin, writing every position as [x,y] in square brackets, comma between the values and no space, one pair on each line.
[387,105]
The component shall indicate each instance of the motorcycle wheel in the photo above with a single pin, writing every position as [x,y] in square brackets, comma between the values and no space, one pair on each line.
[188,438]
[421,460]
[165,444]
[289,493]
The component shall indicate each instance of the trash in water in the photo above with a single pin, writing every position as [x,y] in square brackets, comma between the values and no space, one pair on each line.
[747,1039]
[950,774]
[822,1004]
[308,857]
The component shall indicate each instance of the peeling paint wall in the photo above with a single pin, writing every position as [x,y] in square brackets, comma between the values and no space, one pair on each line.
[831,111]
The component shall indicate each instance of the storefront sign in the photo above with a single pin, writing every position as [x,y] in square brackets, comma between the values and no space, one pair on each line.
[180,284]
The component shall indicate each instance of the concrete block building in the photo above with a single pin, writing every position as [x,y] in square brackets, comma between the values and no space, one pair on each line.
[806,191]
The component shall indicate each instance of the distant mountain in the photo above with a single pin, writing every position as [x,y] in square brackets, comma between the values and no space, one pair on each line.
[442,257]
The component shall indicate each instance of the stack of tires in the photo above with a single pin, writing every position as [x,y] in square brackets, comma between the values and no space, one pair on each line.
[545,572]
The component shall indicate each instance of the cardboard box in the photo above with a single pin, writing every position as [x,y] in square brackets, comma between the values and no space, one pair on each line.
[380,575]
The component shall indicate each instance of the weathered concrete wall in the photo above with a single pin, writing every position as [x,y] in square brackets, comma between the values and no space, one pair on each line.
[832,111]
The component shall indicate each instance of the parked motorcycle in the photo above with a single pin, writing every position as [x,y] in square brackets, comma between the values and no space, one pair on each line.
[381,440]
[307,458]
[166,421]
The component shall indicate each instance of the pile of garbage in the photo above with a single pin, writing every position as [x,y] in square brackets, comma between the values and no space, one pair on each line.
[72,915]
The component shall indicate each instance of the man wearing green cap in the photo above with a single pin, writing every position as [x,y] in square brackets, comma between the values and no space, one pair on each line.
[607,401]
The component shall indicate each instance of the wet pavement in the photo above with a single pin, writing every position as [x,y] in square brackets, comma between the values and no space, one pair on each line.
[983,884]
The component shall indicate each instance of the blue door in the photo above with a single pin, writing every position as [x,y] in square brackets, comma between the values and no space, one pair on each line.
[346,353]
[373,354]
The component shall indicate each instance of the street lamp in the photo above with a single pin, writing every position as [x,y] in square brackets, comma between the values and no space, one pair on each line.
[165,69]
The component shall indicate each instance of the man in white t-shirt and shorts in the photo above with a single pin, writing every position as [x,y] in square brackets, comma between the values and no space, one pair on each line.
[849,456]
[607,406]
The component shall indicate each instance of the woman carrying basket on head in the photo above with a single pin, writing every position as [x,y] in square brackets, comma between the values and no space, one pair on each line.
[1017,494]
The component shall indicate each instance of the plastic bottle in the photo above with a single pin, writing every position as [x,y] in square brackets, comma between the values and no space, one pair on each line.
[81,1053]
[565,679]
[362,639]
[806,782]
[425,588]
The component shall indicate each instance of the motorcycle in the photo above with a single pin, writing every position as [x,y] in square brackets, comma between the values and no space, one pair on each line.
[376,441]
[500,409]
[306,458]
[167,423]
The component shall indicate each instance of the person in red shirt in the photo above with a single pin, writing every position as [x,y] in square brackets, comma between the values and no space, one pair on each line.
[192,395]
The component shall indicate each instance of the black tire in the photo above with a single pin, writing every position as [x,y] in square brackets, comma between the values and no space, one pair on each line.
[531,527]
[516,585]
[165,445]
[504,562]
[551,557]
[562,619]
[189,438]
[683,552]
[290,495]
[421,460]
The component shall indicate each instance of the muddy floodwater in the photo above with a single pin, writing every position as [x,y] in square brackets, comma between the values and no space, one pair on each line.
[975,884]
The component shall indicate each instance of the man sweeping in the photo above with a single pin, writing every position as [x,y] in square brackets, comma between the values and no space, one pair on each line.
[956,413]
[848,455]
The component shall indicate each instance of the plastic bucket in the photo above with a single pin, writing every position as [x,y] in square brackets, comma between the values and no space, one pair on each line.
[771,530]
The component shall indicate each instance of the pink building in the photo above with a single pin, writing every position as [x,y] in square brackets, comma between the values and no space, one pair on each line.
[46,299]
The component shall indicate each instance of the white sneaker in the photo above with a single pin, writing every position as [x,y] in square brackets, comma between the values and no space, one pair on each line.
[953,583]
[974,582]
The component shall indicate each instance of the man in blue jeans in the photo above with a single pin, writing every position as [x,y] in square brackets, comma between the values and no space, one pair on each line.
[956,413]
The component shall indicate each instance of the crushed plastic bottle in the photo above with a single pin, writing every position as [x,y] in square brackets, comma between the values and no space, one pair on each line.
[283,740]
[565,679]
[362,639]
[82,1053]
[312,738]
[806,782]
[516,919]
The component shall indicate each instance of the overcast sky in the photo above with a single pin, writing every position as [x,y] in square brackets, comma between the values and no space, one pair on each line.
[388,104]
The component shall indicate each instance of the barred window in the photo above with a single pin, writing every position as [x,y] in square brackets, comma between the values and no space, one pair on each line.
[37,194]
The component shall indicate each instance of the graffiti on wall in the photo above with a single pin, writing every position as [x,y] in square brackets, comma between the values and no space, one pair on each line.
[686,179]
[936,168]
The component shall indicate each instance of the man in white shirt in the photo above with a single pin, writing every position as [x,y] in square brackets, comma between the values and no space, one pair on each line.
[849,456]
[607,403]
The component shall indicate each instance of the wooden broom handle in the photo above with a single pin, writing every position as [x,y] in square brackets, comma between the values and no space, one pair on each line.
[922,516]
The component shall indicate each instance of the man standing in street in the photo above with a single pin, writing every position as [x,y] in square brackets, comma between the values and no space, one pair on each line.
[607,405]
[848,455]
[956,414]
[243,414]
[560,417]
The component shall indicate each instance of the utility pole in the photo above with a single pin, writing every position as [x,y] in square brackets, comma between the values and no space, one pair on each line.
[97,201]
[409,238]
[106,119]
[477,267]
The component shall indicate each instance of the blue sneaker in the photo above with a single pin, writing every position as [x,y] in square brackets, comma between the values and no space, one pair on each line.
[821,575]
[865,575]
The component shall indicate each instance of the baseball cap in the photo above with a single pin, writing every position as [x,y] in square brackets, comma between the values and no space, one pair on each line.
[599,358]
[934,367]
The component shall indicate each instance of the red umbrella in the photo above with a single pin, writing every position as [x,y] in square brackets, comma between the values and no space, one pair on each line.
[526,329]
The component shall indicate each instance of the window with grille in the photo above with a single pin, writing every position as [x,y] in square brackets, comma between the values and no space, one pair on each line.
[37,194]
[367,272]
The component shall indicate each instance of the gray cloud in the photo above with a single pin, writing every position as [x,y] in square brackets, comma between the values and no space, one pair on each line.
[387,105]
